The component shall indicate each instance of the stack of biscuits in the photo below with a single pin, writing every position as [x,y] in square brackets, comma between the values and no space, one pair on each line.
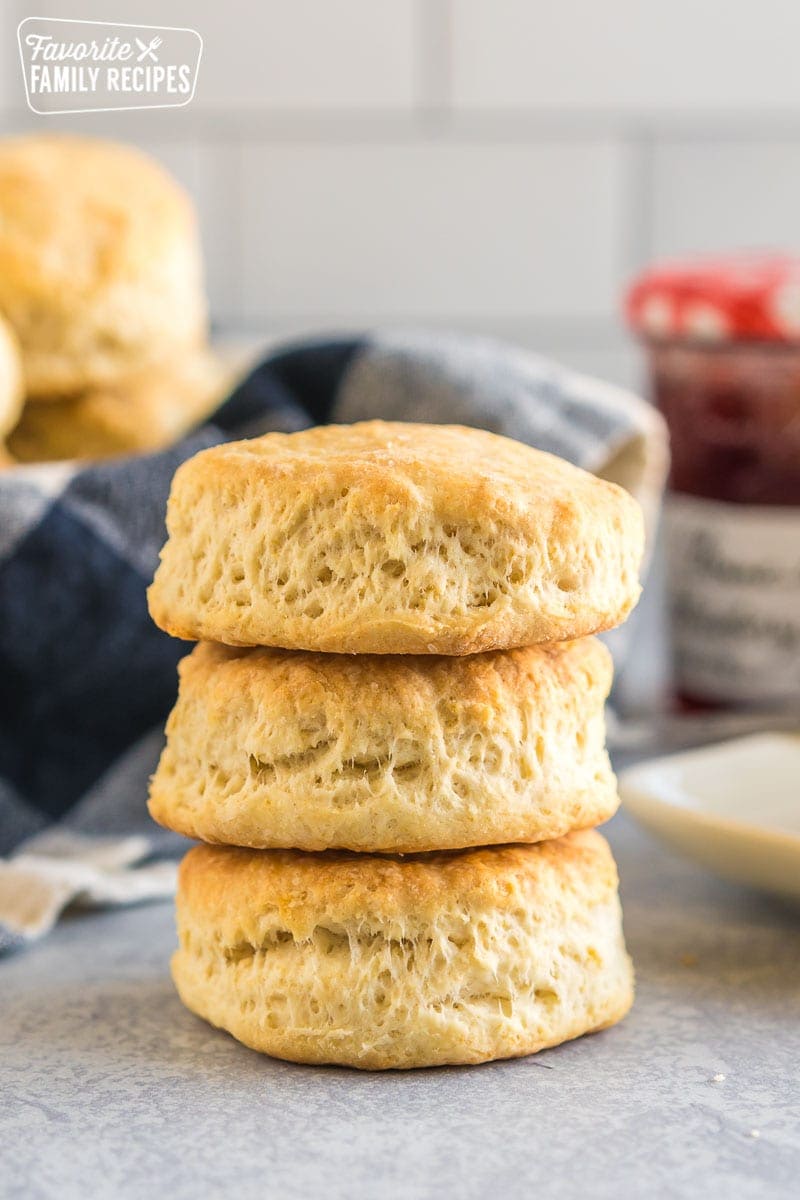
[102,303]
[390,739]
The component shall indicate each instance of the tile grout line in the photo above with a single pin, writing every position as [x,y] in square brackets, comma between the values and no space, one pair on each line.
[433,63]
[234,182]
[432,119]
[644,247]
[582,332]
[637,241]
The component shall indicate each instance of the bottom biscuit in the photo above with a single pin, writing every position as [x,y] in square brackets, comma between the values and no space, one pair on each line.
[389,962]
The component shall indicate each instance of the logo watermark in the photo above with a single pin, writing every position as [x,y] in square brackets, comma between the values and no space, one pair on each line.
[98,66]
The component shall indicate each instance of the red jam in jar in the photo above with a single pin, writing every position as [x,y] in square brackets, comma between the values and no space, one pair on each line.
[723,343]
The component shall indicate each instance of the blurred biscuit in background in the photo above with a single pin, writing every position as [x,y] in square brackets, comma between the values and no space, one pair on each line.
[147,412]
[100,262]
[11,394]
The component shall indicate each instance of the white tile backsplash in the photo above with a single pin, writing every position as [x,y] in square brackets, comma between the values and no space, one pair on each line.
[630,55]
[348,54]
[425,230]
[12,91]
[713,196]
[494,165]
[210,173]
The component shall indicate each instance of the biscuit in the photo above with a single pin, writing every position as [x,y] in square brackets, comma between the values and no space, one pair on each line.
[100,269]
[281,748]
[393,538]
[11,393]
[378,962]
[148,412]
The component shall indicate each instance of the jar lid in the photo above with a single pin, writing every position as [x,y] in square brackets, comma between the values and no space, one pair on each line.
[755,296]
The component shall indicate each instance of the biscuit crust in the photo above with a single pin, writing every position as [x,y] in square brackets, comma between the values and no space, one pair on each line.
[392,963]
[147,412]
[391,538]
[274,748]
[100,270]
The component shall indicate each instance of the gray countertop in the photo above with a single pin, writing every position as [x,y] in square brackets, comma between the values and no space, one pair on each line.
[111,1089]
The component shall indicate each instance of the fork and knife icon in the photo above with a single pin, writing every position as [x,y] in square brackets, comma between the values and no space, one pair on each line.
[148,49]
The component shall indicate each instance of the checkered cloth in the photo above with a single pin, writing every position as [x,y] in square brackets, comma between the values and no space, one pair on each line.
[86,679]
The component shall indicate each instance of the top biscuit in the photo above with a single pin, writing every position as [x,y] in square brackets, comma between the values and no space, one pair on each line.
[100,271]
[393,538]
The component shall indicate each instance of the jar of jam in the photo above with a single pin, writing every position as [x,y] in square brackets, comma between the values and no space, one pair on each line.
[723,344]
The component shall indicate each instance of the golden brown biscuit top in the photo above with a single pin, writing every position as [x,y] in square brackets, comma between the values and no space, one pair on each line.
[406,682]
[76,212]
[449,467]
[237,886]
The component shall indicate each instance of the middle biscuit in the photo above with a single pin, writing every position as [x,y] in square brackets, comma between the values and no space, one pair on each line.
[272,748]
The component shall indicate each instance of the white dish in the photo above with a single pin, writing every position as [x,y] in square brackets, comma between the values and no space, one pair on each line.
[734,807]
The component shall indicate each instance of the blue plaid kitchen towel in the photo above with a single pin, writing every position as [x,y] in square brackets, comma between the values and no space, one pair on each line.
[86,679]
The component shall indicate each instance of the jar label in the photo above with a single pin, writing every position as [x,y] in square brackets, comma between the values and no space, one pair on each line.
[734,581]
